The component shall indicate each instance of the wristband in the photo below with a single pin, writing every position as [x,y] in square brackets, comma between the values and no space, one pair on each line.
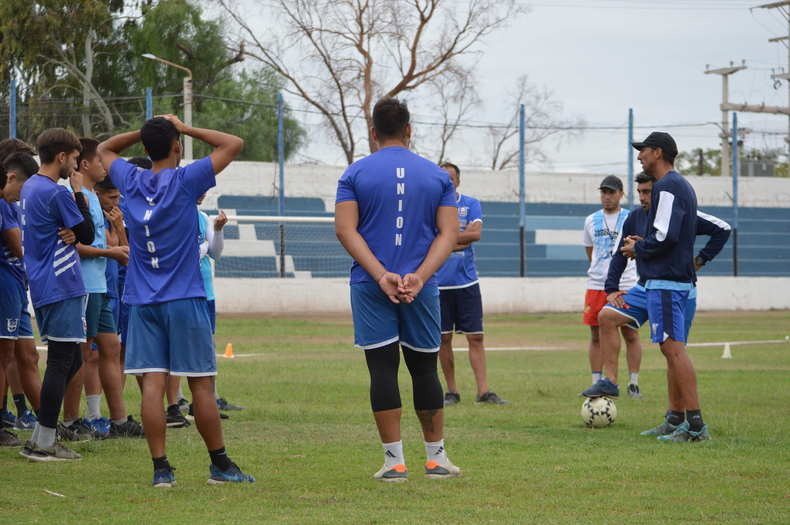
[382,275]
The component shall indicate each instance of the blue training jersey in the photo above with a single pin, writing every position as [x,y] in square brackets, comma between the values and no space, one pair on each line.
[10,266]
[53,268]
[459,269]
[111,271]
[205,263]
[93,268]
[667,252]
[122,269]
[398,193]
[636,224]
[163,227]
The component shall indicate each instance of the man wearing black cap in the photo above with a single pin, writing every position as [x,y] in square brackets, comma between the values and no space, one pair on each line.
[667,265]
[600,231]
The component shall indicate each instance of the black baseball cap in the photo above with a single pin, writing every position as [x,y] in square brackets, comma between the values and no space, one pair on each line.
[658,139]
[612,182]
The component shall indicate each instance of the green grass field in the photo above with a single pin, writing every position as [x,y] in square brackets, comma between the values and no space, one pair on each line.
[308,437]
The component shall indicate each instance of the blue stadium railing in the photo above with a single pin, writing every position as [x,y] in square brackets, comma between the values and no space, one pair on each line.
[764,240]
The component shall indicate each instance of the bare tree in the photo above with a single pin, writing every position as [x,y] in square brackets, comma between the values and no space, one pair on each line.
[542,119]
[458,98]
[340,56]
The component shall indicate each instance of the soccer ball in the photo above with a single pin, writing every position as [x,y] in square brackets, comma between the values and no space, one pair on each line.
[598,412]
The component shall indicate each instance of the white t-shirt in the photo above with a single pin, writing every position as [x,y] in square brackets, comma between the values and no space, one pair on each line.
[600,233]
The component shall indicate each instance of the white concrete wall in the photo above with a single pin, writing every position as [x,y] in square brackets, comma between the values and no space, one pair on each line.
[500,295]
[261,178]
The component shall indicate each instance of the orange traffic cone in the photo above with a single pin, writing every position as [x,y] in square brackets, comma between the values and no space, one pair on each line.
[229,351]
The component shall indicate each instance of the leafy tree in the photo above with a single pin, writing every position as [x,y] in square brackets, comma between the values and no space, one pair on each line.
[94,48]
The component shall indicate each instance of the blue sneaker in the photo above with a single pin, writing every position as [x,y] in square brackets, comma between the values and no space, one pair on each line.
[683,434]
[100,425]
[9,419]
[664,429]
[164,478]
[603,388]
[232,475]
[27,421]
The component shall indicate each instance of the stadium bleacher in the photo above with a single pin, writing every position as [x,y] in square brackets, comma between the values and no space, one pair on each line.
[554,233]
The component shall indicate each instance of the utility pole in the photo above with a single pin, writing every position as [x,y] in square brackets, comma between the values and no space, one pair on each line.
[725,72]
[784,40]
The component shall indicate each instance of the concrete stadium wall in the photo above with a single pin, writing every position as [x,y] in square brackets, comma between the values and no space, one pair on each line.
[261,178]
[500,295]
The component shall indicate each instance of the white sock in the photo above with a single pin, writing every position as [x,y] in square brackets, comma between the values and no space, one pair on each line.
[93,411]
[36,432]
[119,421]
[393,454]
[596,376]
[46,437]
[180,395]
[68,422]
[435,452]
[633,378]
[216,395]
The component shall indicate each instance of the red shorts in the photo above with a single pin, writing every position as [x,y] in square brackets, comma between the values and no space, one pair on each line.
[594,301]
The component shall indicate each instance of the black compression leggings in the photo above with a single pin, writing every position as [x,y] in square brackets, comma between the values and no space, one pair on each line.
[383,366]
[63,361]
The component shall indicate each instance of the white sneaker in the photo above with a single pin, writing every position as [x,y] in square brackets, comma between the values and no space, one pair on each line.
[434,470]
[396,474]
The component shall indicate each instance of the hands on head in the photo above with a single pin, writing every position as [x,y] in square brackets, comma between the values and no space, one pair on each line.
[401,289]
[180,126]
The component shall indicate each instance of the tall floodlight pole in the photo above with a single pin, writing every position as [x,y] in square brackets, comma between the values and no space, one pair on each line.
[12,123]
[187,101]
[725,72]
[522,221]
[735,194]
[630,159]
[280,159]
[149,104]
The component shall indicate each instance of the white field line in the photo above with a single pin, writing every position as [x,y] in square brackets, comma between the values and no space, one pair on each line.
[541,348]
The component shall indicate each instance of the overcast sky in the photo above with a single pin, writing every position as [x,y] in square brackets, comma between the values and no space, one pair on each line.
[602,57]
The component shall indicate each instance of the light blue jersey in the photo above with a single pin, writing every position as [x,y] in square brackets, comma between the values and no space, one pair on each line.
[205,263]
[600,233]
[459,270]
[93,268]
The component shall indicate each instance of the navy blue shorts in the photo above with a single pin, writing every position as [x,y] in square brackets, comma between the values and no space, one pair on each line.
[63,321]
[379,322]
[667,311]
[115,305]
[172,337]
[462,310]
[212,314]
[123,322]
[98,315]
[14,316]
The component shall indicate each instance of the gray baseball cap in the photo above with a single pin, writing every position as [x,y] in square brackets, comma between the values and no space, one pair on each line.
[612,182]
